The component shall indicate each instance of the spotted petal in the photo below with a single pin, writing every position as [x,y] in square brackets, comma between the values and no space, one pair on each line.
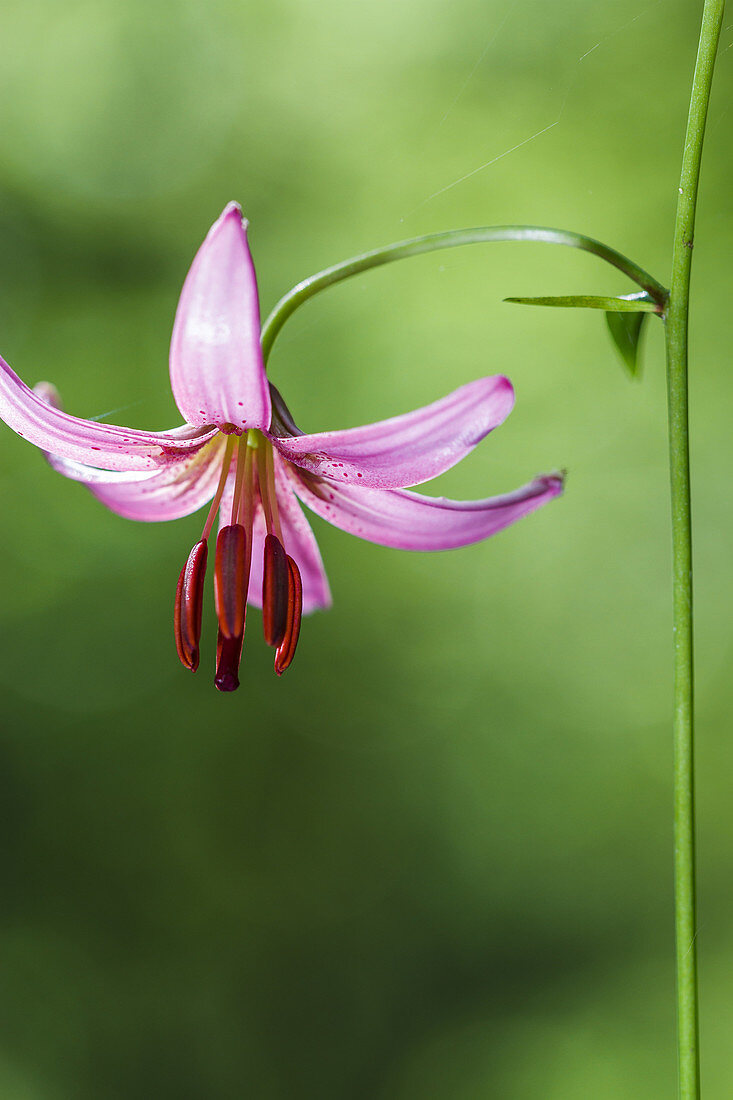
[216,365]
[410,521]
[406,450]
[178,489]
[104,445]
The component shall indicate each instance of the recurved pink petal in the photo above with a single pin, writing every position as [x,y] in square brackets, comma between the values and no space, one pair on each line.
[178,489]
[216,365]
[39,420]
[300,544]
[406,450]
[410,521]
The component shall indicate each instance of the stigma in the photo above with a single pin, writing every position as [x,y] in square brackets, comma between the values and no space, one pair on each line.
[247,468]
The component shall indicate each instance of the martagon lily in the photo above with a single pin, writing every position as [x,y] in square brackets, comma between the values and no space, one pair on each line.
[240,449]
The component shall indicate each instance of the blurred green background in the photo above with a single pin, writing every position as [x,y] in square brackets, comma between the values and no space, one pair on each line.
[434,861]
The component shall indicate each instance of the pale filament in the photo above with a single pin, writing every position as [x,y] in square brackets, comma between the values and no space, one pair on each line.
[239,477]
[225,465]
[269,493]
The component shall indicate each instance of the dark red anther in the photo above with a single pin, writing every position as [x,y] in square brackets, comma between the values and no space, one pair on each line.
[230,580]
[275,587]
[286,649]
[189,603]
[228,656]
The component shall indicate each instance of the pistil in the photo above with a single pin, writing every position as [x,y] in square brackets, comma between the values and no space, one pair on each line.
[231,579]
[228,659]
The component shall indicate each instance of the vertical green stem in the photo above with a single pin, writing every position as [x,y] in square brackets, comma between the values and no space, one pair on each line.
[679,459]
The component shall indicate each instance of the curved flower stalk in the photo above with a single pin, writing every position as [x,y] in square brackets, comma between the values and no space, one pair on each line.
[240,449]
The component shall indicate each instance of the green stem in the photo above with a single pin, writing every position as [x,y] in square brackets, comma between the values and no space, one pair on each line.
[679,460]
[451,239]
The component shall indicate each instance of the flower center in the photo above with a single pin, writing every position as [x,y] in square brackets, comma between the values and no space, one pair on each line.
[248,470]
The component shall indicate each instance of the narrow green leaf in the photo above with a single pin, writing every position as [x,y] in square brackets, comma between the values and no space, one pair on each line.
[630,304]
[625,329]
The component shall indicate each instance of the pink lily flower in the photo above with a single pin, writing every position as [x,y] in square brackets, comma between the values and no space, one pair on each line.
[240,449]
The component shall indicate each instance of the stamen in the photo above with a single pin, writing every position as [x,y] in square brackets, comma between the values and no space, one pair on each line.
[189,603]
[229,648]
[239,477]
[268,492]
[286,649]
[245,496]
[282,590]
[228,656]
[231,577]
[225,464]
[275,589]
